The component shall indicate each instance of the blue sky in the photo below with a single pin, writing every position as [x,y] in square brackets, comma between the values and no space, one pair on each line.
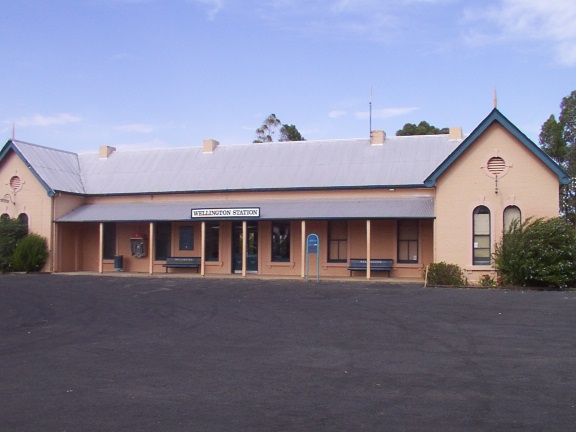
[77,74]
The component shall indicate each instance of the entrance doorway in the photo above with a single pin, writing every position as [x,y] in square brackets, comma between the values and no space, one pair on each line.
[251,247]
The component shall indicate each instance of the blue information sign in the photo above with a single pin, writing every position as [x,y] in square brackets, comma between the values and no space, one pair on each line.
[312,244]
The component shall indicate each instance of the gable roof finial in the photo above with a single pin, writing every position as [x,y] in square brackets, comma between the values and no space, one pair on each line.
[495,98]
[13,130]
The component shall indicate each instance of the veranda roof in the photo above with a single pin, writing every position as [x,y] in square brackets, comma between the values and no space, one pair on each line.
[290,209]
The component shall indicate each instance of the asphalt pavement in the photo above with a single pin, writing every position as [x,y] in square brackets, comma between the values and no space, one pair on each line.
[101,353]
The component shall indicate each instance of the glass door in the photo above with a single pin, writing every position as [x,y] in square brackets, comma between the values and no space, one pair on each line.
[251,247]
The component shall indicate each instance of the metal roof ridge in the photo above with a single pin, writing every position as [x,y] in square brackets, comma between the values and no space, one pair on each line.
[199,147]
[16,142]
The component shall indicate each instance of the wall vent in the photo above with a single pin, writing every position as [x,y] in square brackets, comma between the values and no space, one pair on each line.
[15,183]
[496,165]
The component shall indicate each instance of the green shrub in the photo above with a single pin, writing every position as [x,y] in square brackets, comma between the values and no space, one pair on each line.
[30,254]
[538,253]
[11,232]
[445,274]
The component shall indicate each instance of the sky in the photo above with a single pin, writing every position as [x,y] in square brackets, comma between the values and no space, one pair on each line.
[132,74]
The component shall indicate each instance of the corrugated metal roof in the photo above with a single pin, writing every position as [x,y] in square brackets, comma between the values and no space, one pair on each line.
[287,165]
[57,168]
[383,208]
[400,161]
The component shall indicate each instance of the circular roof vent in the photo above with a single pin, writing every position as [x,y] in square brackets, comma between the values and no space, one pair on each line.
[496,165]
[15,183]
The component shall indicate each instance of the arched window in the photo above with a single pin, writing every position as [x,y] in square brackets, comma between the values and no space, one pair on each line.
[481,250]
[511,214]
[23,219]
[5,216]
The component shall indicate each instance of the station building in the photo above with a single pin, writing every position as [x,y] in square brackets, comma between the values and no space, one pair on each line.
[251,208]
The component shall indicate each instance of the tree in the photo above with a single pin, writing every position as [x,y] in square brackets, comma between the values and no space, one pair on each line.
[267,132]
[290,133]
[423,128]
[558,139]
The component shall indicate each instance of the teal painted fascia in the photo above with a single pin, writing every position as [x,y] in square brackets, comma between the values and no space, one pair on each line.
[11,146]
[497,116]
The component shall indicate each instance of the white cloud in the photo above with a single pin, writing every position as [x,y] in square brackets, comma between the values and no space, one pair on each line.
[343,19]
[352,5]
[135,128]
[383,21]
[214,6]
[337,114]
[550,22]
[385,113]
[40,120]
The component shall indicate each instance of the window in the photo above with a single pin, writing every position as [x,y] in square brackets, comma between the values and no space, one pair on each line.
[5,216]
[481,247]
[212,252]
[23,219]
[281,241]
[511,214]
[337,241]
[408,241]
[186,242]
[163,240]
[109,249]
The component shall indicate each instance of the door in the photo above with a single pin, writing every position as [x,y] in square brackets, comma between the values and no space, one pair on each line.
[251,247]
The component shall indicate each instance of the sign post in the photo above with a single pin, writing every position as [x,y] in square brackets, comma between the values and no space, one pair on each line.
[312,247]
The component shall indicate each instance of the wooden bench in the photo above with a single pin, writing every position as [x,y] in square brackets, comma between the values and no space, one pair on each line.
[361,264]
[182,262]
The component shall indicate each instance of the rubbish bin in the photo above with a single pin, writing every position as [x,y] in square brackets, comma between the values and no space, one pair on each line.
[118,262]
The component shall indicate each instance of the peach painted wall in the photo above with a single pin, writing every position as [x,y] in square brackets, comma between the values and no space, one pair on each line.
[79,247]
[66,245]
[527,183]
[32,199]
[383,233]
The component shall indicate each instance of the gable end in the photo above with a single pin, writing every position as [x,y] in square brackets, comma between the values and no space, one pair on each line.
[497,116]
[11,146]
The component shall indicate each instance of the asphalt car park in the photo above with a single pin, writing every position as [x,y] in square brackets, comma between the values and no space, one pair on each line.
[105,353]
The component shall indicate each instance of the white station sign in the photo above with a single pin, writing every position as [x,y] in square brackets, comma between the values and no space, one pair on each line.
[207,213]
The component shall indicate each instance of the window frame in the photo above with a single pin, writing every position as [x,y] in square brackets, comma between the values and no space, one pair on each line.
[186,237]
[23,219]
[163,240]
[412,243]
[476,235]
[341,243]
[506,224]
[280,247]
[109,240]
[212,241]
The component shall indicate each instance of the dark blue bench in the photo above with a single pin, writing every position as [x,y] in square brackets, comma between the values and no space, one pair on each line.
[182,262]
[361,264]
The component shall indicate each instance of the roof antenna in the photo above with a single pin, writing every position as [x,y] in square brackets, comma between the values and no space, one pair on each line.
[13,131]
[495,99]
[370,114]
